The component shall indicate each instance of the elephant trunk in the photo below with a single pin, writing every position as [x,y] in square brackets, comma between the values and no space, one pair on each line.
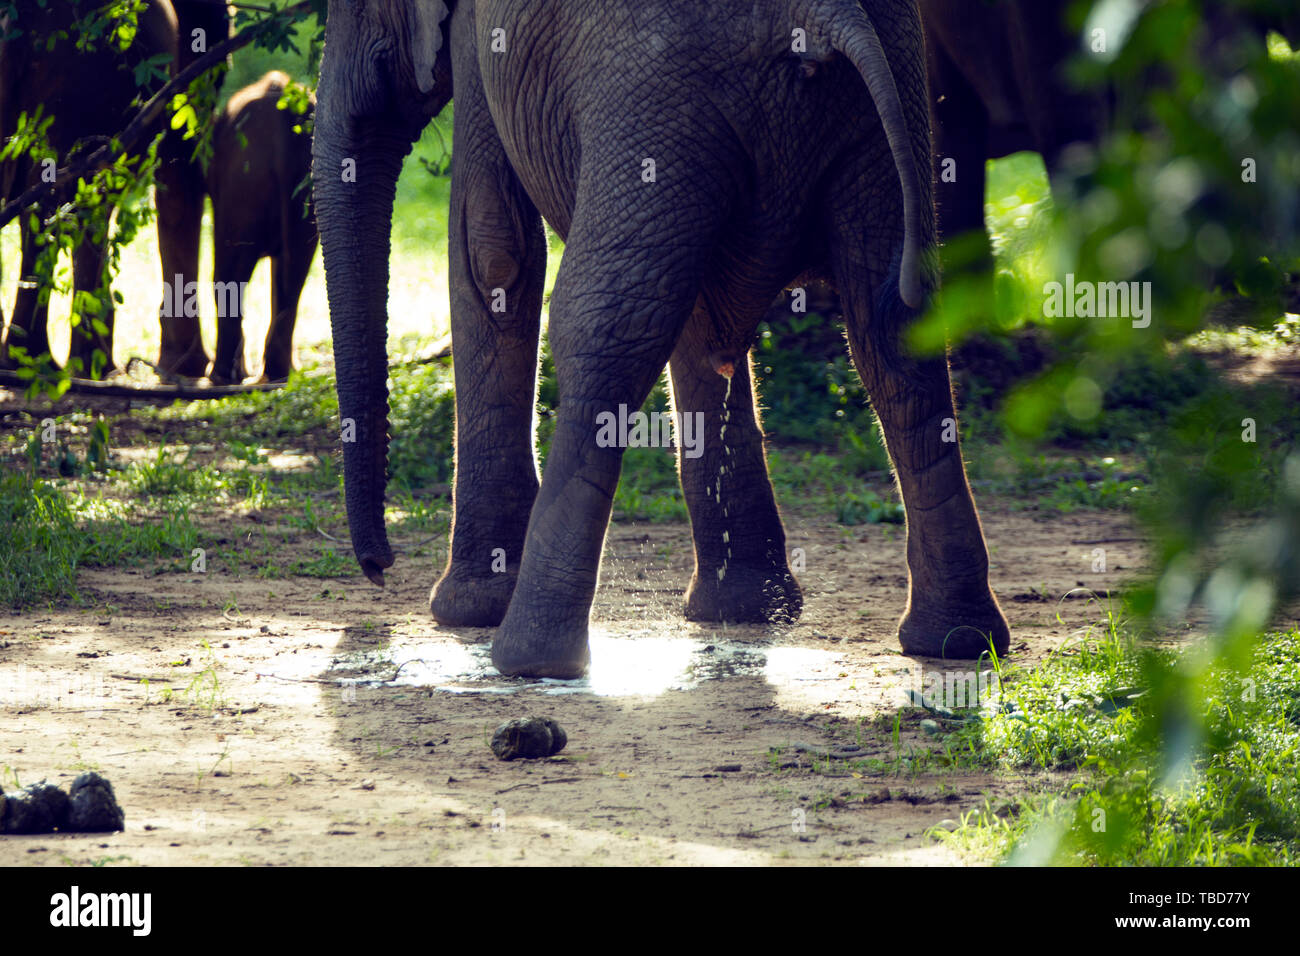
[848,28]
[355,177]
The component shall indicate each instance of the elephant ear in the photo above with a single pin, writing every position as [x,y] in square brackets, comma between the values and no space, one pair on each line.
[424,34]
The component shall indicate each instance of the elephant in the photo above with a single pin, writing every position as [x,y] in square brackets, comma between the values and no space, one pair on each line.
[179,195]
[696,160]
[258,164]
[89,94]
[999,84]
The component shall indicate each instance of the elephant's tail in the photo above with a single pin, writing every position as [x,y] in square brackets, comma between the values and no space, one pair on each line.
[850,31]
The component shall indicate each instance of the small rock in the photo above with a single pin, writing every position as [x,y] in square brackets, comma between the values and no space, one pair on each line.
[39,808]
[931,727]
[94,807]
[529,738]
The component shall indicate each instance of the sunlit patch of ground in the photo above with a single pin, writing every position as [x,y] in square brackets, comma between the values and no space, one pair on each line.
[310,720]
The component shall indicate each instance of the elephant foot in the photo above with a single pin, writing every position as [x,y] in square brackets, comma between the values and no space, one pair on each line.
[536,648]
[277,366]
[744,595]
[192,363]
[274,377]
[957,629]
[225,373]
[459,601]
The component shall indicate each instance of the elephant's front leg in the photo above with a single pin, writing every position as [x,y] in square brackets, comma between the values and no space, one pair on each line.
[498,271]
[29,325]
[94,331]
[179,195]
[741,570]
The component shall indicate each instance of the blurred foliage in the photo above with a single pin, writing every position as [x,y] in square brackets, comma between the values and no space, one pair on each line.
[1195,194]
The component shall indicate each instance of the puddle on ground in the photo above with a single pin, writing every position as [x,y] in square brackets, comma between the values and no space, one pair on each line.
[623,666]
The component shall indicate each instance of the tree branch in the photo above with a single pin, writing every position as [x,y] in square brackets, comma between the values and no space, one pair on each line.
[142,123]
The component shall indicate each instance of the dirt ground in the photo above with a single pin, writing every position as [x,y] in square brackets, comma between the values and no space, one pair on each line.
[334,723]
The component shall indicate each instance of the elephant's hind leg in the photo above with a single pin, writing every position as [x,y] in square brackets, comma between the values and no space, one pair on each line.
[951,612]
[234,262]
[741,571]
[288,275]
[962,143]
[497,274]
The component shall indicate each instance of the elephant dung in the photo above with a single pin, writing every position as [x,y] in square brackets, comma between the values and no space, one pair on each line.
[529,738]
[39,808]
[94,808]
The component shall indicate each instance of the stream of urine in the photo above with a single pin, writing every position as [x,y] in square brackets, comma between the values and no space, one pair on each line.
[722,470]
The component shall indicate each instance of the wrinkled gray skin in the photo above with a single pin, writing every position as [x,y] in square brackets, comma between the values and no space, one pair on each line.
[258,162]
[999,84]
[770,166]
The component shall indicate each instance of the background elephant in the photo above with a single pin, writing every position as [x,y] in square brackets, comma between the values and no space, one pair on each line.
[88,93]
[180,191]
[998,85]
[258,165]
[696,161]
[999,79]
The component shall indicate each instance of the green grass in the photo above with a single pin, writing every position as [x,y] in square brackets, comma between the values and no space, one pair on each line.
[305,406]
[51,530]
[1230,798]
[867,507]
[169,474]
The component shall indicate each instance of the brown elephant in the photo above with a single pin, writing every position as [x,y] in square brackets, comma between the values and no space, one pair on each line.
[696,159]
[91,93]
[260,164]
[180,192]
[88,93]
